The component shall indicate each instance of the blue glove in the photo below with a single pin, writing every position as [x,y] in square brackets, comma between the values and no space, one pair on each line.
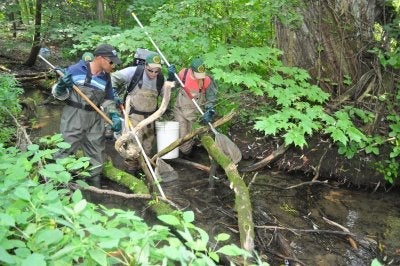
[116,120]
[208,115]
[63,84]
[171,73]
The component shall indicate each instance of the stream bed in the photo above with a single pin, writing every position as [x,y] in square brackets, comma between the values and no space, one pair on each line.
[293,225]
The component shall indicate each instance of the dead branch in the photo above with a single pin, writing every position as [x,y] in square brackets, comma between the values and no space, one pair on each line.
[294,230]
[5,69]
[29,78]
[319,164]
[123,195]
[285,247]
[193,164]
[308,183]
[274,155]
[350,239]
[359,86]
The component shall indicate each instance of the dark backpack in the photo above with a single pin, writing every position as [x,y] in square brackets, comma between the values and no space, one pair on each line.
[137,79]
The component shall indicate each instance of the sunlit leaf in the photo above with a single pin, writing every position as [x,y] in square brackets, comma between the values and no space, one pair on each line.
[169,219]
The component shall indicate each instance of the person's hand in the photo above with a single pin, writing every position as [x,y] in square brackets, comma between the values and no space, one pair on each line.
[171,73]
[63,84]
[208,115]
[116,121]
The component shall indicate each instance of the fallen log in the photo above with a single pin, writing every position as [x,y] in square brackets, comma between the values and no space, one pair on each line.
[274,155]
[137,186]
[242,198]
[23,79]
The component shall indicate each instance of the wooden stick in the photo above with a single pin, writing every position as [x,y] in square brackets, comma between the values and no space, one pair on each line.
[352,242]
[193,164]
[281,150]
[304,230]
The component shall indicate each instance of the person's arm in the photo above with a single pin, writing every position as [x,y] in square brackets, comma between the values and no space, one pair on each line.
[211,99]
[211,95]
[61,89]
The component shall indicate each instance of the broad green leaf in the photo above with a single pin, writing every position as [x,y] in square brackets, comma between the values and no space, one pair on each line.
[33,147]
[34,259]
[62,252]
[98,230]
[6,257]
[231,250]
[63,145]
[22,193]
[213,255]
[109,244]
[222,237]
[188,216]
[49,236]
[376,262]
[6,220]
[80,206]
[12,243]
[77,196]
[54,167]
[169,219]
[355,134]
[337,134]
[98,256]
[295,136]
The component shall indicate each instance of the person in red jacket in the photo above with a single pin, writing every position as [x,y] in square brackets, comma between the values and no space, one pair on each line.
[203,90]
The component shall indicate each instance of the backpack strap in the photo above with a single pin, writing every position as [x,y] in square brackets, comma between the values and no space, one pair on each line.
[184,76]
[137,79]
[108,88]
[88,77]
[160,82]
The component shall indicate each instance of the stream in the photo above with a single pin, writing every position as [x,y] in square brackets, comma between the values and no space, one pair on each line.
[279,212]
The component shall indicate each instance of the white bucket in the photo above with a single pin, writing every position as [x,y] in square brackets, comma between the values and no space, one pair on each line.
[167,132]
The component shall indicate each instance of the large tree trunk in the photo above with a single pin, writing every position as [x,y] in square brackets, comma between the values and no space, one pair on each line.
[36,37]
[333,44]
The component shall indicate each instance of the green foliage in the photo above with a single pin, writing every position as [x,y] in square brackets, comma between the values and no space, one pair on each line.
[42,222]
[9,104]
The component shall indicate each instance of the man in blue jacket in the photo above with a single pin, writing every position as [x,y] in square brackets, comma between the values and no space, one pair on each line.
[81,126]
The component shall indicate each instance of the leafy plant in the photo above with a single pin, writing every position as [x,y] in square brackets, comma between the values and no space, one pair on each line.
[42,222]
[9,105]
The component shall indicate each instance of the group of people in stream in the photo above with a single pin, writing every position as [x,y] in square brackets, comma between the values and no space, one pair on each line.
[138,86]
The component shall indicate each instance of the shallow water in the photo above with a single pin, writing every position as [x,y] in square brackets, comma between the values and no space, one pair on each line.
[374,218]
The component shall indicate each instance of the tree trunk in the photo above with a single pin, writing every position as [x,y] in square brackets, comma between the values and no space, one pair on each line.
[332,40]
[333,44]
[36,37]
[100,10]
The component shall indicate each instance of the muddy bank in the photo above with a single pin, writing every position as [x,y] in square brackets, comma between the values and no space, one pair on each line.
[320,160]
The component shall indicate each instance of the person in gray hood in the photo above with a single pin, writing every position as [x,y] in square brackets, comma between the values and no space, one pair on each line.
[81,126]
[142,85]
